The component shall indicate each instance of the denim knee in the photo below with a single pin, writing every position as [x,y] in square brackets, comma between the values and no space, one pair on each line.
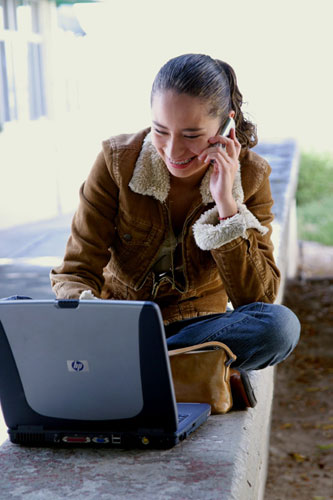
[286,326]
[283,332]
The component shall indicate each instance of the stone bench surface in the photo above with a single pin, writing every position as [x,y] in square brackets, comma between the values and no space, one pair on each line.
[225,459]
[205,466]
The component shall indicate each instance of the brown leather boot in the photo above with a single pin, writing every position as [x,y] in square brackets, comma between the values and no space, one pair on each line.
[241,389]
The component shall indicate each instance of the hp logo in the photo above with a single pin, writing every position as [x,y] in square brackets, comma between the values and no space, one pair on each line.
[75,365]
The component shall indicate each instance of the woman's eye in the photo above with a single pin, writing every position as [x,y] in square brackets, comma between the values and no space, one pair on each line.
[161,132]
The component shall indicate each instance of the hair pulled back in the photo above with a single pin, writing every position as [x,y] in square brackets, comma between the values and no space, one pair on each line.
[199,75]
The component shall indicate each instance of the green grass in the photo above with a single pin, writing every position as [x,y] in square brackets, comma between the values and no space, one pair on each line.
[315,198]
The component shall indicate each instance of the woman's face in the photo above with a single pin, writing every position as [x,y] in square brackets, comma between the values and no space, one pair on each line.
[181,127]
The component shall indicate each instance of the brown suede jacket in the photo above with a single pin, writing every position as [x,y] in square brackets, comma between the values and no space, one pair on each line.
[123,219]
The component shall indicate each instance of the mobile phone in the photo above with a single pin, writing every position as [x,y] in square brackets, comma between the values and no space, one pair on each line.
[225,131]
[229,124]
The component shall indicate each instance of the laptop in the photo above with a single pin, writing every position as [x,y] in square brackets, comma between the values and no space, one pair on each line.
[89,373]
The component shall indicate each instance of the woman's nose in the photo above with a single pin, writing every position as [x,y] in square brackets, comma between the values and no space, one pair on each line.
[175,149]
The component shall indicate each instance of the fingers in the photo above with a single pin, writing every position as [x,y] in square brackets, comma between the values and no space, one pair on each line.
[227,144]
[230,143]
[222,150]
[233,137]
[217,155]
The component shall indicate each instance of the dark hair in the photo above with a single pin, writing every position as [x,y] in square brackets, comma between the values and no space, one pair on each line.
[199,75]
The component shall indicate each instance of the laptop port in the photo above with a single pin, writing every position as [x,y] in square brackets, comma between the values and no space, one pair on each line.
[115,439]
[100,440]
[76,439]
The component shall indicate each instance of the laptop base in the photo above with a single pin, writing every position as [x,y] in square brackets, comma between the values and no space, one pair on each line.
[95,440]
[140,438]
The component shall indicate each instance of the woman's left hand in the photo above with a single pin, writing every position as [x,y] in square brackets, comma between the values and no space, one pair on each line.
[224,153]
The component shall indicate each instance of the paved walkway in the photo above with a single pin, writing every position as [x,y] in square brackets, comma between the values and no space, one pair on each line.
[28,252]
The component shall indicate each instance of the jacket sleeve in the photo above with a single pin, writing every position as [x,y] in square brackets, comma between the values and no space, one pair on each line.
[242,248]
[91,235]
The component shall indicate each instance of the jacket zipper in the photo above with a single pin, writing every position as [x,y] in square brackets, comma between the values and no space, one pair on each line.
[184,227]
[156,283]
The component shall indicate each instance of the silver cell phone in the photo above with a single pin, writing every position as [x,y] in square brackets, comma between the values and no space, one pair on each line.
[225,131]
[229,124]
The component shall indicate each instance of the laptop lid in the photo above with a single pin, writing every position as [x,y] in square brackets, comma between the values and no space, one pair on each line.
[85,364]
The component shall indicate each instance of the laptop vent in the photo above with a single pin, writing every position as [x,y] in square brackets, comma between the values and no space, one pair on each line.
[29,438]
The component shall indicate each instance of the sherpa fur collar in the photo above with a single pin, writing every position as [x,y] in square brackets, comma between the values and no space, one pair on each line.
[151,178]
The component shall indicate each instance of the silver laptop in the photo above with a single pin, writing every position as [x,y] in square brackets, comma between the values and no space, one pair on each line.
[89,373]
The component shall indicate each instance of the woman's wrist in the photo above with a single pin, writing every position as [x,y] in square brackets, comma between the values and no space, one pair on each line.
[227,210]
[228,216]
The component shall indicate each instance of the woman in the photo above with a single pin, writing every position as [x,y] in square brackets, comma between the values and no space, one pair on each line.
[181,215]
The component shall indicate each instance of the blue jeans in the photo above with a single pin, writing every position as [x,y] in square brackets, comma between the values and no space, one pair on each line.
[259,334]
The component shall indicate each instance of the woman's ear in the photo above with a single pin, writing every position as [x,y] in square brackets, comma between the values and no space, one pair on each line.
[232,114]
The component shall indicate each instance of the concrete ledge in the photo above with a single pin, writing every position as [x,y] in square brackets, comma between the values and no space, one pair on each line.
[226,459]
[219,461]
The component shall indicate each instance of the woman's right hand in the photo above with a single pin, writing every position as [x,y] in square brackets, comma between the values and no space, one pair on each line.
[224,154]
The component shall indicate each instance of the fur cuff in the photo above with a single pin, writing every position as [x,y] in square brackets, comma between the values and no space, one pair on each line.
[87,295]
[210,233]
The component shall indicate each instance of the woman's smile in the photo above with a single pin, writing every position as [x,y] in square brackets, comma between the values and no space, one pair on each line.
[181,164]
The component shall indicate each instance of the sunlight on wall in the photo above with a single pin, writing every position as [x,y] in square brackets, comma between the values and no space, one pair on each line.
[281,52]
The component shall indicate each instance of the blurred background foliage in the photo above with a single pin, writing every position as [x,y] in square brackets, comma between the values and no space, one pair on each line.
[314,198]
